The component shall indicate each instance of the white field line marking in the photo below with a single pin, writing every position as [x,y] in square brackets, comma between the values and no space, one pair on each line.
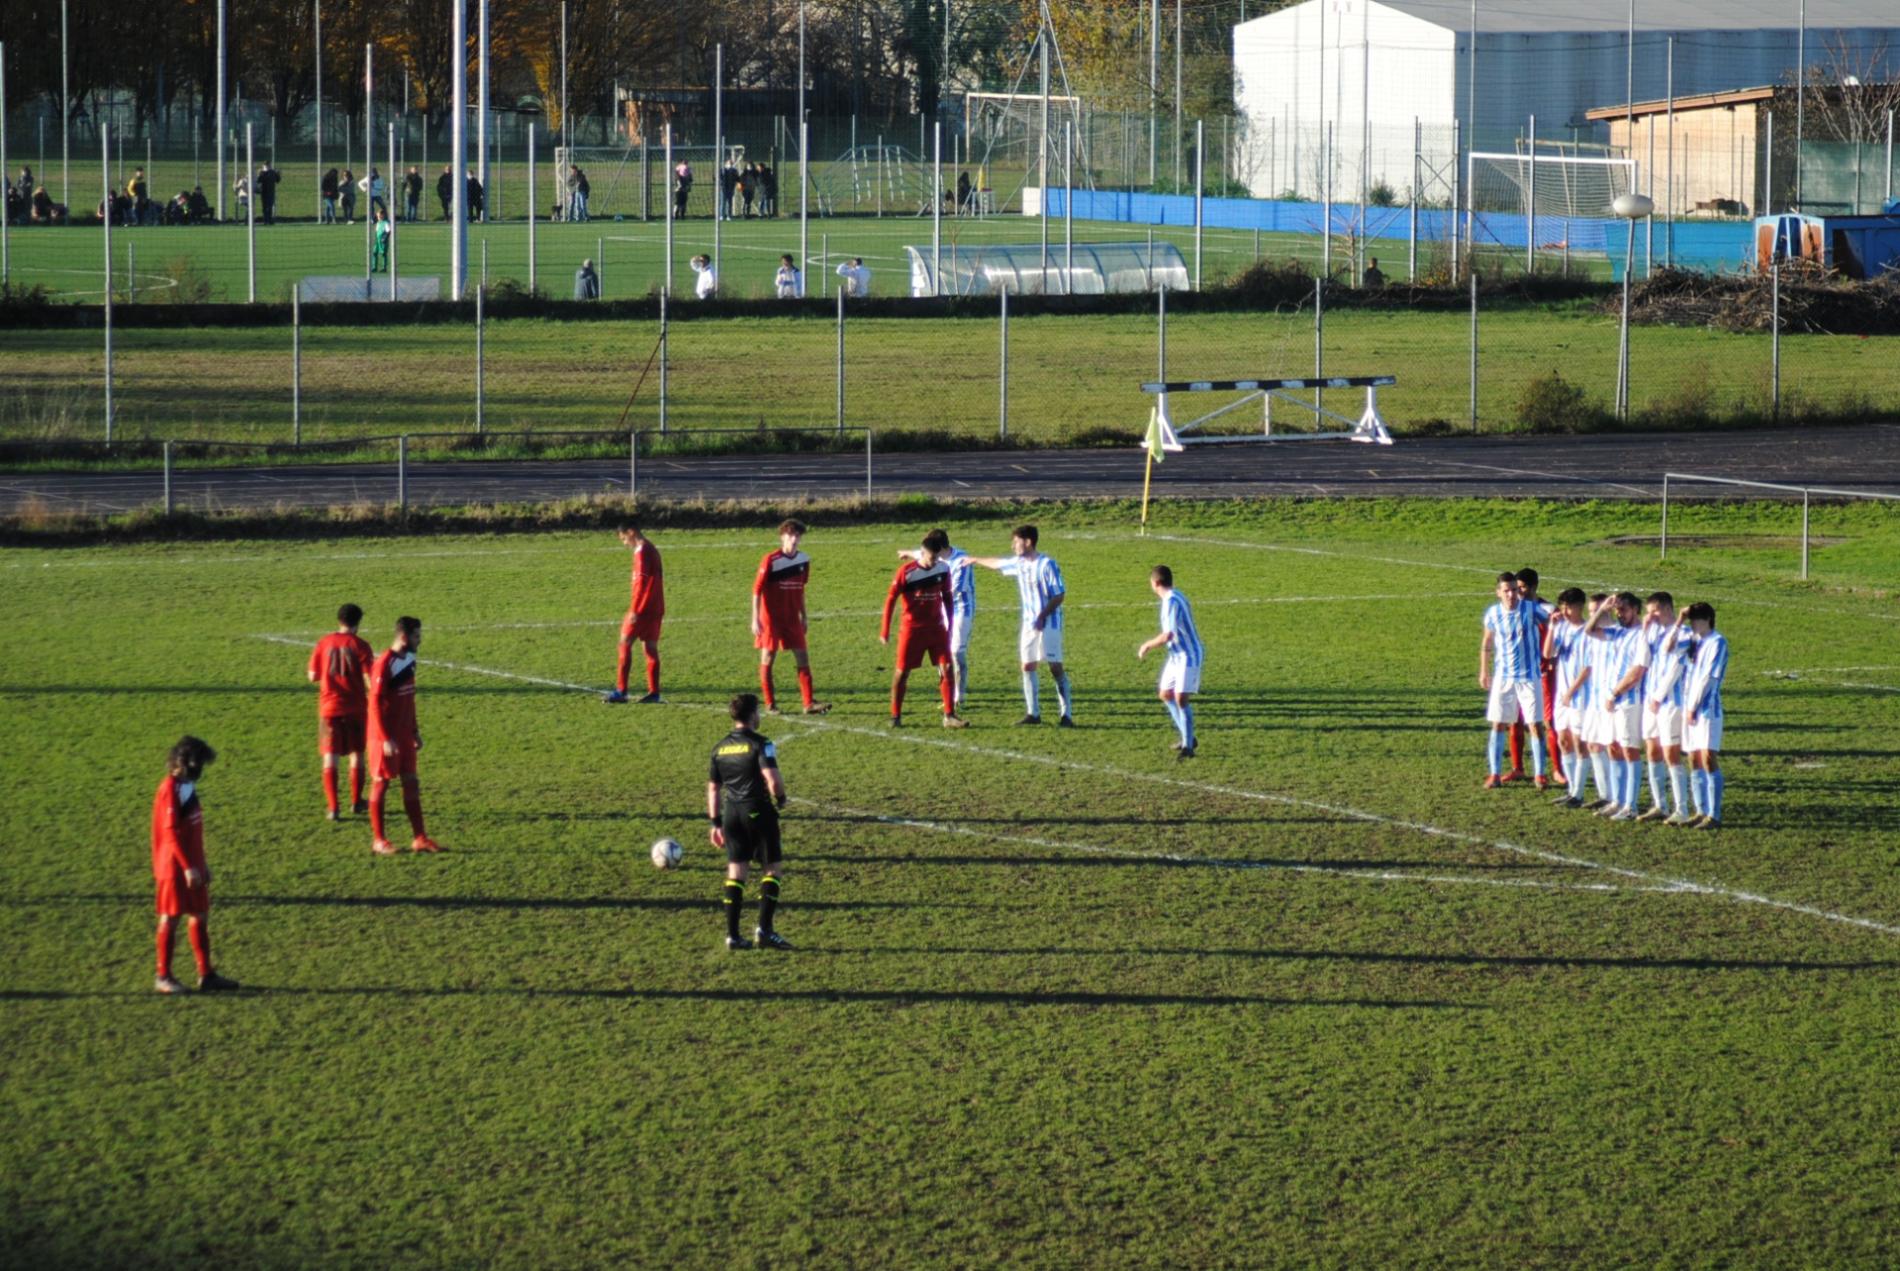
[1174,858]
[1470,569]
[1809,677]
[1259,796]
[478,553]
[1534,472]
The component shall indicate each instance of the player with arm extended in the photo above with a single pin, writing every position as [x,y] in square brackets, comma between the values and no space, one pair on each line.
[1565,648]
[394,740]
[962,605]
[1039,583]
[644,612]
[1662,709]
[1515,687]
[182,878]
[1181,671]
[1624,661]
[923,584]
[744,793]
[1702,714]
[778,614]
[337,667]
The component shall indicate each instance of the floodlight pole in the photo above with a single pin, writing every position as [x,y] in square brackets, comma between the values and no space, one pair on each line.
[105,197]
[458,143]
[1199,170]
[5,260]
[250,219]
[936,206]
[220,111]
[719,155]
[316,13]
[1623,335]
[1154,84]
[567,131]
[531,205]
[1176,124]
[389,205]
[66,108]
[369,161]
[1800,96]
[1042,157]
[481,105]
[666,134]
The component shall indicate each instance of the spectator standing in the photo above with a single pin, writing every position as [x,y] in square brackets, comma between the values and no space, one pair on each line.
[707,284]
[682,187]
[139,193]
[326,190]
[580,189]
[728,188]
[963,193]
[412,194]
[346,190]
[789,282]
[475,193]
[242,189]
[748,189]
[586,282]
[768,191]
[857,279]
[372,185]
[1375,277]
[267,179]
[445,192]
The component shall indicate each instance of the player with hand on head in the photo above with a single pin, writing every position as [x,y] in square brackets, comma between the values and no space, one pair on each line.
[1039,584]
[644,612]
[1668,657]
[1622,663]
[1541,611]
[182,877]
[394,740]
[744,793]
[923,584]
[1516,687]
[778,614]
[337,667]
[1702,714]
[1181,672]
[962,606]
[1565,647]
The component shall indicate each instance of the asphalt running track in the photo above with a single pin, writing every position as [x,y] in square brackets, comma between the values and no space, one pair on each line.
[1594,467]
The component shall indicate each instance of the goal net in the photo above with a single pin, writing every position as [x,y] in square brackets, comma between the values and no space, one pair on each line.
[1004,132]
[1560,199]
[633,181]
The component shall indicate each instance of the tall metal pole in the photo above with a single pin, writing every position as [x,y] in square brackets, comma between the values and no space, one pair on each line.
[1175,129]
[1800,96]
[717,175]
[1199,170]
[458,142]
[1042,151]
[804,159]
[1068,207]
[567,132]
[1669,182]
[481,106]
[936,201]
[369,161]
[531,207]
[316,14]
[481,359]
[666,133]
[5,260]
[1889,197]
[221,179]
[66,110]
[841,361]
[1768,173]
[389,200]
[1623,336]
[1411,253]
[1530,202]
[296,362]
[1002,372]
[105,197]
[250,218]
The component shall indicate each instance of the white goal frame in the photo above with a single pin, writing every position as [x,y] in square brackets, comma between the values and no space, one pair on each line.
[1530,161]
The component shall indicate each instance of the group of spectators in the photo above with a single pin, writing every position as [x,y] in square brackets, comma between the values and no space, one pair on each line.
[27,203]
[740,189]
[788,283]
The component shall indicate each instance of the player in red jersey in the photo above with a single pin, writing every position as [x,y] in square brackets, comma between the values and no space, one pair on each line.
[778,614]
[178,866]
[337,667]
[393,738]
[642,622]
[923,583]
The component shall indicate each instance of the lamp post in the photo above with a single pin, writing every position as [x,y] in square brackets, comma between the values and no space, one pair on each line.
[1632,208]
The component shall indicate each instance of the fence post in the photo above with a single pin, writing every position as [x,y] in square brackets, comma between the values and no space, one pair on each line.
[1198,147]
[531,206]
[1002,374]
[1474,345]
[480,358]
[867,478]
[402,475]
[250,216]
[296,362]
[168,478]
[105,198]
[1663,543]
[6,261]
[1319,339]
[662,364]
[633,463]
[1774,338]
[841,360]
[1804,535]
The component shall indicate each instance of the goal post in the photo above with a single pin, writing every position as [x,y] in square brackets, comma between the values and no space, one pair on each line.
[616,176]
[1003,132]
[1544,201]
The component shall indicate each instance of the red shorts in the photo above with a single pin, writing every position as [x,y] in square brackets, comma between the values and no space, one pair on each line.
[772,638]
[389,767]
[341,734]
[176,897]
[914,646]
[635,627]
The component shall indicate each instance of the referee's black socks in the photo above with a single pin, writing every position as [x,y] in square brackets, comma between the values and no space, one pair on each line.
[735,901]
[768,901]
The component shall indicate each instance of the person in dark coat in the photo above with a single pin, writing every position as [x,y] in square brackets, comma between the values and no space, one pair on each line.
[586,282]
[445,192]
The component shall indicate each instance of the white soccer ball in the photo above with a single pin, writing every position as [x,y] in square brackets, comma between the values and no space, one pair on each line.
[666,853]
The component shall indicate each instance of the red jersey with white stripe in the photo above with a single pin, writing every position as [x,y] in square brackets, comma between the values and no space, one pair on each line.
[780,588]
[649,587]
[392,700]
[341,662]
[178,829]
[926,593]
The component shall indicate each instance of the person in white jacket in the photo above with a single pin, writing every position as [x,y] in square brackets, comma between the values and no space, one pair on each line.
[789,282]
[708,284]
[857,279]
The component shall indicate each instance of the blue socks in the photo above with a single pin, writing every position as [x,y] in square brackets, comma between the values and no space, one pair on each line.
[1716,782]
[1187,725]
[1062,691]
[1494,757]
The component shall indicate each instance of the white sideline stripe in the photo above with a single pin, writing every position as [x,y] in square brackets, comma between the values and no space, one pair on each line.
[1350,814]
[1174,858]
[1471,569]
[140,563]
[1811,678]
[1536,472]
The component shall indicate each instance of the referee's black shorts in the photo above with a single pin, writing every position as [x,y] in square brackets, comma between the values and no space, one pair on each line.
[751,834]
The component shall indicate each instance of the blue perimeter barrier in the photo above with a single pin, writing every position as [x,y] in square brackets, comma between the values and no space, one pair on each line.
[1714,247]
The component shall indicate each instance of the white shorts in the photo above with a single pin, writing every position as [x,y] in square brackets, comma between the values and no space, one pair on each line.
[1522,702]
[1177,675]
[1704,734]
[1593,725]
[1626,725]
[960,631]
[1662,723]
[1040,646]
[1566,720]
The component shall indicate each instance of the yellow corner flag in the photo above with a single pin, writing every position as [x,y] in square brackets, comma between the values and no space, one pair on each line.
[1161,438]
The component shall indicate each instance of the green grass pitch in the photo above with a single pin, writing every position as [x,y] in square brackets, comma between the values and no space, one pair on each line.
[1058,1000]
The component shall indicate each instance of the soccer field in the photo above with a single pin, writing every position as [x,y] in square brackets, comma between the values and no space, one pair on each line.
[1057,1000]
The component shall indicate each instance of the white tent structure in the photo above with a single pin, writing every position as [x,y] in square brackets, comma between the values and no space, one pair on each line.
[1097,269]
[1376,74]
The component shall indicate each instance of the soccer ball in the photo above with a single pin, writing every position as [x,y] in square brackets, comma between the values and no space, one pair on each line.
[666,853]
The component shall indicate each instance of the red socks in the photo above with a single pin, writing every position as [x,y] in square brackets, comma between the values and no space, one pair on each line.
[897,697]
[166,928]
[1517,747]
[412,807]
[626,664]
[356,784]
[377,794]
[653,673]
[329,787]
[765,685]
[948,687]
[804,685]
[199,933]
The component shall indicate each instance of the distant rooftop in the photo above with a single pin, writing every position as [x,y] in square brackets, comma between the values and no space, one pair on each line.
[1538,16]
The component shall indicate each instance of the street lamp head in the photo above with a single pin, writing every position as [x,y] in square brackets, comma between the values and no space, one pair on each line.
[1632,207]
[1852,81]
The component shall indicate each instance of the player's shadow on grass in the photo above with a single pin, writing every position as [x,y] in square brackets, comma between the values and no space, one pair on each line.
[1373,957]
[1109,859]
[683,904]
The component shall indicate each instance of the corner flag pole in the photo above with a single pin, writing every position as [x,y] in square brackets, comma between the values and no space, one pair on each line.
[1150,444]
[1147,475]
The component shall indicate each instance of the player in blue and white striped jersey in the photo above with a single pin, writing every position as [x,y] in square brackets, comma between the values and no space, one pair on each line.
[1622,660]
[1662,709]
[1565,645]
[1039,583]
[1516,687]
[1181,672]
[962,607]
[1702,714]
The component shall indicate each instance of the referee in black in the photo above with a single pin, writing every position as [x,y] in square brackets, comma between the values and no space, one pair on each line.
[743,795]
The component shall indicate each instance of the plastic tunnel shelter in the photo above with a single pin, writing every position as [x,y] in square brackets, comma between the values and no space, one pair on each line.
[1099,268]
